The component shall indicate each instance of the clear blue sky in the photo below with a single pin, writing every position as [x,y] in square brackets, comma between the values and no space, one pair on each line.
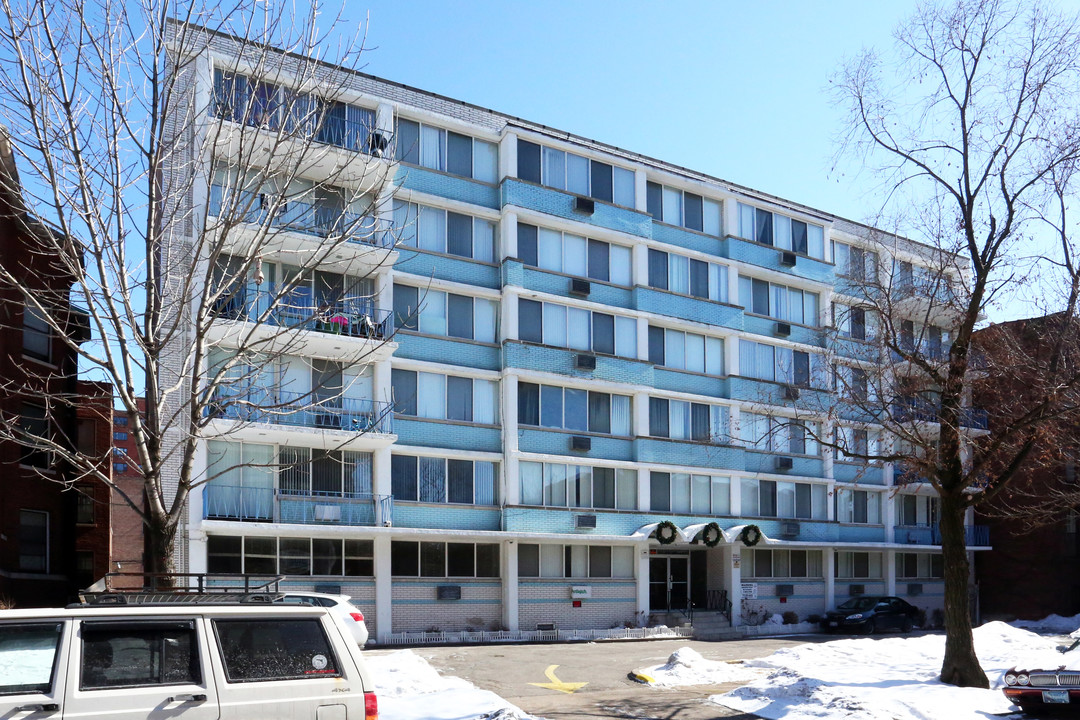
[738,90]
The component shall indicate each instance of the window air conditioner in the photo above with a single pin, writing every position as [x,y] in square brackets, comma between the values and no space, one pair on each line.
[328,513]
[788,259]
[791,392]
[585,522]
[585,362]
[784,463]
[584,205]
[783,329]
[580,442]
[785,590]
[914,588]
[856,589]
[580,287]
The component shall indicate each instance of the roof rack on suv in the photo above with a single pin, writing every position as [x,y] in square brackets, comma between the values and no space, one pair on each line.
[120,588]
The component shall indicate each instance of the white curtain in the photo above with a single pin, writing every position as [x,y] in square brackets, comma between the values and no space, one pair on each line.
[795,306]
[357,472]
[746,222]
[782,232]
[405,222]
[485,318]
[624,187]
[674,349]
[431,395]
[749,490]
[579,561]
[257,499]
[766,363]
[433,313]
[551,561]
[223,491]
[700,494]
[483,240]
[672,203]
[620,415]
[679,422]
[555,485]
[622,562]
[679,273]
[718,282]
[695,352]
[680,492]
[714,356]
[579,329]
[555,168]
[816,241]
[626,489]
[721,496]
[621,265]
[485,161]
[574,255]
[432,148]
[712,224]
[785,499]
[532,483]
[554,325]
[485,401]
[778,302]
[577,174]
[432,229]
[747,358]
[625,336]
[484,481]
[549,252]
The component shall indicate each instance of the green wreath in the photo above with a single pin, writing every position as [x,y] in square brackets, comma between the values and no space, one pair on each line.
[666,532]
[711,535]
[750,535]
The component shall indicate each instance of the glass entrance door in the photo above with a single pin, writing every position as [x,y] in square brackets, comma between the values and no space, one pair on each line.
[669,583]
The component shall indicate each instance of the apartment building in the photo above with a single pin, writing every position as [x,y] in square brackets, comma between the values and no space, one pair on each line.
[593,386]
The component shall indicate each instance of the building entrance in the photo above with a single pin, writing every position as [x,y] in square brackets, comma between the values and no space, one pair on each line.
[669,582]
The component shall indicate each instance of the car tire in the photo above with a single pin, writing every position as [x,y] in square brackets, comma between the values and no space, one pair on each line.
[871,626]
[905,626]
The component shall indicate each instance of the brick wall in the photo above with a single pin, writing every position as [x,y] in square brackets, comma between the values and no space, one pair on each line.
[613,603]
[416,607]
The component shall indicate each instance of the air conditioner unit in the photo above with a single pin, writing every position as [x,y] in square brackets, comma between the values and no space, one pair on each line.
[785,590]
[856,589]
[580,287]
[789,530]
[580,442]
[328,513]
[784,463]
[783,329]
[585,362]
[584,205]
[378,144]
[914,588]
[585,522]
[788,259]
[545,626]
[791,392]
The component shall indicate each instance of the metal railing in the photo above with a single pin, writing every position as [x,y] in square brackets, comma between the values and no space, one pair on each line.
[718,600]
[974,535]
[923,410]
[354,316]
[305,507]
[281,407]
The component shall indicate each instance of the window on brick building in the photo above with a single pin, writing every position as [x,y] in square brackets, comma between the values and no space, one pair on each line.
[84,505]
[33,541]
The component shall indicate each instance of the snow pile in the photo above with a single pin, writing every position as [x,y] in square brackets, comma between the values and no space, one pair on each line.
[888,678]
[1054,624]
[686,667]
[408,688]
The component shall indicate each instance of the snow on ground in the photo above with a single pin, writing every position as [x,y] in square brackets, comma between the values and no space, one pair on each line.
[688,667]
[1051,624]
[884,678]
[408,688]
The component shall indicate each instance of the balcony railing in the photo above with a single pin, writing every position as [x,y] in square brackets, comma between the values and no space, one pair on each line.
[321,220]
[297,309]
[974,535]
[923,410]
[230,502]
[280,407]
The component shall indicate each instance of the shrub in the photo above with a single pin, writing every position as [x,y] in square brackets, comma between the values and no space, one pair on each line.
[937,618]
[813,618]
[920,619]
[791,618]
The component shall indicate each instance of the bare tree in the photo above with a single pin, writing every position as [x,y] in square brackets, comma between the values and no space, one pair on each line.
[167,203]
[971,127]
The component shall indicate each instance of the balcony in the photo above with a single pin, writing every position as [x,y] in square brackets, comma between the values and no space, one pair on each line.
[265,504]
[923,410]
[270,406]
[974,535]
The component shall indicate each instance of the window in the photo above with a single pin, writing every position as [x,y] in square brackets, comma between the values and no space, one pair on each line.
[120,436]
[858,506]
[780,231]
[120,421]
[21,641]
[576,328]
[445,397]
[444,560]
[783,499]
[557,485]
[575,561]
[275,649]
[855,444]
[778,301]
[917,510]
[33,541]
[681,420]
[574,255]
[120,467]
[573,409]
[772,433]
[84,504]
[438,313]
[34,427]
[855,262]
[927,566]
[686,493]
[37,333]
[447,151]
[780,364]
[784,564]
[136,653]
[686,351]
[858,565]
[688,276]
[853,384]
[442,231]
[676,207]
[335,558]
[441,480]
[854,322]
[574,173]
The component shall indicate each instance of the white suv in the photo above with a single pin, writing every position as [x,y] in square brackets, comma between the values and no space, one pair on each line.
[340,607]
[189,661]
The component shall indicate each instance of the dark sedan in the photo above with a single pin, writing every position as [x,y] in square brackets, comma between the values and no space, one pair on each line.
[870,614]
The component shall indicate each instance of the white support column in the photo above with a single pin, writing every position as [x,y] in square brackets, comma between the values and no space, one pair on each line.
[508,326]
[642,582]
[380,380]
[825,308]
[380,482]
[641,191]
[733,581]
[644,489]
[639,263]
[828,565]
[642,339]
[384,618]
[731,217]
[508,236]
[733,287]
[888,510]
[384,119]
[511,486]
[731,355]
[384,290]
[508,156]
[510,585]
[890,572]
[735,493]
[641,414]
[196,549]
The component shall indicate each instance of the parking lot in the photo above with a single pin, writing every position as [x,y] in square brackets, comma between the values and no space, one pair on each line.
[590,680]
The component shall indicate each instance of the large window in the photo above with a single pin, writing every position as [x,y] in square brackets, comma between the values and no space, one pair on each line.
[442,231]
[778,301]
[855,322]
[294,556]
[780,231]
[780,364]
[558,485]
[682,420]
[917,510]
[448,151]
[140,654]
[855,444]
[444,559]
[676,207]
[784,499]
[852,383]
[686,351]
[783,564]
[858,506]
[440,313]
[576,328]
[84,504]
[575,561]
[574,173]
[445,397]
[275,649]
[37,333]
[858,565]
[855,262]
[33,541]
[573,409]
[689,493]
[919,566]
[441,480]
[771,433]
[574,255]
[688,276]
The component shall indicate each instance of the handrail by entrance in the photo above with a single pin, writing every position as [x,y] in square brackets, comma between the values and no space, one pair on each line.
[718,600]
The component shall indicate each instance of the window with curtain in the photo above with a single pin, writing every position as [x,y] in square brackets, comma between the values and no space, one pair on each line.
[687,276]
[778,434]
[446,151]
[576,328]
[690,493]
[573,409]
[682,420]
[911,566]
[574,255]
[575,561]
[779,364]
[855,262]
[858,565]
[447,314]
[858,506]
[677,207]
[582,486]
[442,480]
[575,173]
[437,230]
[686,351]
[779,301]
[784,499]
[780,231]
[242,480]
[784,564]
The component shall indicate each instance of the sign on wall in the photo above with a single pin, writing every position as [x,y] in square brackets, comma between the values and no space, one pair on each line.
[749,591]
[579,592]
[736,559]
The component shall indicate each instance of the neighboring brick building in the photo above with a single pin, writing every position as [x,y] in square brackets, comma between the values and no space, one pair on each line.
[128,538]
[92,512]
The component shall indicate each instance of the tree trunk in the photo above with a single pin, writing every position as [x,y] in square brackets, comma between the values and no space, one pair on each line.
[160,553]
[960,666]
